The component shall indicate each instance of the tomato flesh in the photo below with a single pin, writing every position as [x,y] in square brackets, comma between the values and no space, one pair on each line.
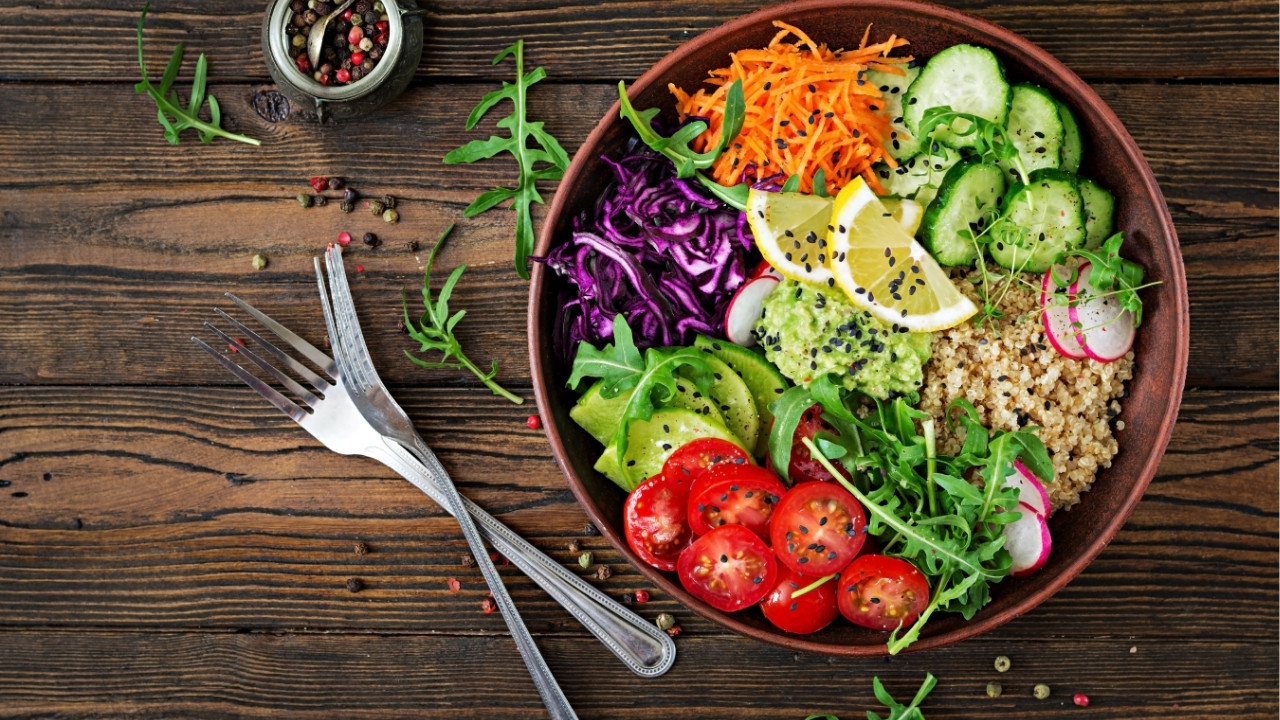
[692,459]
[882,593]
[818,528]
[806,614]
[803,468]
[729,568]
[654,521]
[734,495]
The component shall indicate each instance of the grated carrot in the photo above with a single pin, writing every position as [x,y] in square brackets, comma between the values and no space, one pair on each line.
[808,107]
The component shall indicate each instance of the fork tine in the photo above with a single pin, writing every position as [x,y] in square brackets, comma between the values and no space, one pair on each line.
[311,352]
[356,353]
[293,387]
[282,403]
[330,323]
[316,381]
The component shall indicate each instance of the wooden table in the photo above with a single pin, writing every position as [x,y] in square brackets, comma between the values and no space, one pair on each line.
[172,546]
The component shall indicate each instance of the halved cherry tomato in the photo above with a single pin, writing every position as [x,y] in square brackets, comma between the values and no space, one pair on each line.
[734,495]
[694,458]
[653,519]
[729,568]
[803,467]
[818,528]
[808,613]
[882,592]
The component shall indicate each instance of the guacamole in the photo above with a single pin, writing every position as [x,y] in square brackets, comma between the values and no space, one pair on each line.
[809,332]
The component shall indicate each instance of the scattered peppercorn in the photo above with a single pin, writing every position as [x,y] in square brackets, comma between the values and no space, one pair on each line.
[454,585]
[401,327]
[665,621]
[488,605]
[361,548]
[1003,664]
[354,585]
[391,216]
[335,183]
[369,239]
[388,201]
[603,572]
[411,246]
[1080,699]
[304,200]
[350,196]
[674,630]
[468,561]
[344,238]
[534,422]
[375,206]
[575,547]
[359,268]
[590,530]
[585,559]
[319,184]
[642,596]
[346,206]
[259,262]
[320,200]
[994,690]
[1040,691]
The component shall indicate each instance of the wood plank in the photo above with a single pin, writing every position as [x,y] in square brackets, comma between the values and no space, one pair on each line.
[165,236]
[204,508]
[86,675]
[587,40]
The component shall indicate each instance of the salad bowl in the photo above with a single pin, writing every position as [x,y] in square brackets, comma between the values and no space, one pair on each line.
[1113,159]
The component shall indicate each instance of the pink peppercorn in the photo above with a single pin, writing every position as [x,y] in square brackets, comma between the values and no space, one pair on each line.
[1080,699]
[343,75]
[357,58]
[346,14]
[382,26]
[359,268]
[642,596]
[304,64]
[534,422]
[355,35]
[344,239]
[489,606]
[319,184]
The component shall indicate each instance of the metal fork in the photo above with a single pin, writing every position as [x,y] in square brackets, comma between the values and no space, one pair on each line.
[336,422]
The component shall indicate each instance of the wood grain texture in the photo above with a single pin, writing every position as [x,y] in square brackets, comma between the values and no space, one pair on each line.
[223,515]
[584,39]
[189,229]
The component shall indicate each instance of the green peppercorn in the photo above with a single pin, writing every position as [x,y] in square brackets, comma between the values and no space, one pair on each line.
[346,206]
[375,206]
[259,261]
[299,41]
[304,200]
[391,216]
[320,200]
[585,559]
[1041,691]
[357,19]
[379,7]
[994,690]
[1003,664]
[665,621]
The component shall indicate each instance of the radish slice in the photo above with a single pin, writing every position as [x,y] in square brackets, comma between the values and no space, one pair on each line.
[746,308]
[1104,330]
[1028,542]
[1031,491]
[764,269]
[1057,318]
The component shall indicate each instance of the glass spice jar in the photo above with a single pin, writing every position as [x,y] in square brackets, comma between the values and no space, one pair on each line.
[386,79]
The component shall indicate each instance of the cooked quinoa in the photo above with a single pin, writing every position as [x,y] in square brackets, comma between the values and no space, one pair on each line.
[1015,378]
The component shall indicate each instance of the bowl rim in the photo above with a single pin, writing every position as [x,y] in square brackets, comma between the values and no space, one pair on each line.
[982,622]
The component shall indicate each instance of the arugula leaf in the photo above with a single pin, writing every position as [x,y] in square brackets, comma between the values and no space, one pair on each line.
[618,364]
[547,161]
[897,711]
[734,196]
[787,410]
[792,184]
[169,106]
[434,331]
[735,112]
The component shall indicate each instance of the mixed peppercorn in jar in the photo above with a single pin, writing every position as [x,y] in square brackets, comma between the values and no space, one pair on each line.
[353,44]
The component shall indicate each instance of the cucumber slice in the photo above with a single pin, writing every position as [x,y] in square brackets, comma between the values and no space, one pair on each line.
[599,415]
[732,398]
[1042,219]
[762,378]
[901,143]
[965,78]
[1072,142]
[969,192]
[1099,213]
[919,176]
[1035,128]
[650,442]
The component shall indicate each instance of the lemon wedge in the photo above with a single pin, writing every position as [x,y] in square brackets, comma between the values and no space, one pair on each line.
[791,231]
[906,211]
[884,271]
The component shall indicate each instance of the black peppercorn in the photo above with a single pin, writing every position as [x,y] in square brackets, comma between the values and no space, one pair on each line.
[363,6]
[354,585]
[335,183]
[346,206]
[320,200]
[349,195]
[388,201]
[322,9]
[376,53]
[298,6]
[357,72]
[310,17]
[467,560]
[300,20]
[590,530]
[370,239]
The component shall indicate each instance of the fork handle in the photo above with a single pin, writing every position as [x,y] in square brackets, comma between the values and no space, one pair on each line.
[639,644]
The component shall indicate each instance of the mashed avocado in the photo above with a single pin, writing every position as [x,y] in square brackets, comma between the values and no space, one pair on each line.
[808,333]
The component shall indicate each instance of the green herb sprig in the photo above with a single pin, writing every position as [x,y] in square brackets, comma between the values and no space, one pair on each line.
[1113,274]
[434,330]
[897,711]
[172,115]
[622,368]
[546,161]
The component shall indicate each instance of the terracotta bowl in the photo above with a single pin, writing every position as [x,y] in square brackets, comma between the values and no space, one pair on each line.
[1112,158]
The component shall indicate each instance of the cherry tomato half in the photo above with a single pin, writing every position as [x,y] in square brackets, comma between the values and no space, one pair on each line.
[803,467]
[808,613]
[729,568]
[818,528]
[882,593]
[734,495]
[653,520]
[693,458]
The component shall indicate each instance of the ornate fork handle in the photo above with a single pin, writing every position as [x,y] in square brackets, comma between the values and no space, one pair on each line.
[645,649]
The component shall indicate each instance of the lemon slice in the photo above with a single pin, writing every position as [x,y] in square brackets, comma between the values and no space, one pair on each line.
[885,271]
[906,211]
[791,231]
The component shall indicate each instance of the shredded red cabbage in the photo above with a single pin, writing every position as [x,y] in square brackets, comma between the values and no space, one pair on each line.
[657,249]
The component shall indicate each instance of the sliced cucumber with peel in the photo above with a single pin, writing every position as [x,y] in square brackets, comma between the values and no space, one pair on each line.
[918,177]
[1042,219]
[1099,213]
[965,78]
[1035,128]
[1072,142]
[901,143]
[966,202]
